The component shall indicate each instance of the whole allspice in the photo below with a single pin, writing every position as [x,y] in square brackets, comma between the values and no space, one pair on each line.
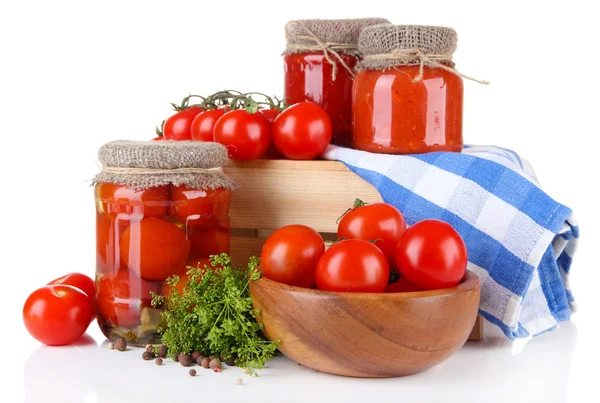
[162,351]
[205,362]
[159,361]
[192,372]
[148,355]
[215,364]
[120,344]
[185,360]
[195,355]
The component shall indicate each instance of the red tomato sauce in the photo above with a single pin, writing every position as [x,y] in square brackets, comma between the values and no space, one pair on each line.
[308,77]
[142,238]
[391,114]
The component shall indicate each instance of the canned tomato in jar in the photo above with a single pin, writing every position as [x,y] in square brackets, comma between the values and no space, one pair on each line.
[161,207]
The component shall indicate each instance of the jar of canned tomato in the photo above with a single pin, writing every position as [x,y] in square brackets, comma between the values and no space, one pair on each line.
[161,207]
[319,64]
[408,97]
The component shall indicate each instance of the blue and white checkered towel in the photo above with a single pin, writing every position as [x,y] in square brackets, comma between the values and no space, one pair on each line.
[519,240]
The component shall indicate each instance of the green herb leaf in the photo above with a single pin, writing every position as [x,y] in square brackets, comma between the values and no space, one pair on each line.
[214,314]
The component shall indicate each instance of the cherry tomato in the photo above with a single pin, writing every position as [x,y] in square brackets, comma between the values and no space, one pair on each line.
[120,297]
[165,289]
[200,207]
[290,255]
[179,126]
[246,135]
[154,248]
[57,315]
[271,114]
[80,281]
[353,265]
[402,285]
[302,131]
[379,222]
[203,125]
[208,242]
[151,202]
[432,255]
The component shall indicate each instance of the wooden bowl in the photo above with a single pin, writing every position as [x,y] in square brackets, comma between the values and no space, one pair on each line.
[364,334]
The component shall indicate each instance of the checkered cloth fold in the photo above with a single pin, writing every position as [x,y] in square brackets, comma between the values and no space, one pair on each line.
[520,241]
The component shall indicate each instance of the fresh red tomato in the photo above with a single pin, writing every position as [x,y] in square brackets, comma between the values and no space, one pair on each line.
[151,202]
[200,207]
[120,297]
[353,265]
[432,255]
[179,126]
[208,242]
[402,285]
[378,222]
[154,248]
[290,255]
[270,113]
[57,315]
[246,135]
[302,131]
[80,281]
[204,123]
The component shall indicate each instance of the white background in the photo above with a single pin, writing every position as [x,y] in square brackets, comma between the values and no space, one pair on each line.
[74,75]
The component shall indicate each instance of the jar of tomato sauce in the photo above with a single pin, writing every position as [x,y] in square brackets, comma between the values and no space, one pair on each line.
[161,207]
[407,98]
[319,64]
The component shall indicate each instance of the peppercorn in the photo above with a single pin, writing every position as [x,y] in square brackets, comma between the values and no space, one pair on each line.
[111,346]
[159,361]
[230,362]
[199,359]
[215,364]
[162,351]
[192,372]
[210,357]
[121,344]
[239,381]
[205,362]
[148,355]
[185,360]
[195,355]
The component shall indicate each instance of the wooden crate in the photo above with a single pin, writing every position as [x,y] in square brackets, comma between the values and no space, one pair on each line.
[276,193]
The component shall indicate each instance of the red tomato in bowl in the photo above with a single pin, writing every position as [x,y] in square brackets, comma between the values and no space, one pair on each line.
[432,255]
[302,131]
[154,248]
[290,255]
[378,222]
[80,281]
[179,126]
[57,315]
[246,135]
[203,125]
[402,285]
[353,265]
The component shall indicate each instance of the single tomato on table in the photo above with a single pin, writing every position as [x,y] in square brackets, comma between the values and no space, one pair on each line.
[154,248]
[290,255]
[203,125]
[120,199]
[246,135]
[302,131]
[121,296]
[381,223]
[179,125]
[353,265]
[80,281]
[57,315]
[432,255]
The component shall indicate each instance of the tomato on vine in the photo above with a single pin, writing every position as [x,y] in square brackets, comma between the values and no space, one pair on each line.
[202,128]
[246,135]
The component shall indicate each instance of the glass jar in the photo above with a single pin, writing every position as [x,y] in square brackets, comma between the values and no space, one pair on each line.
[392,114]
[161,207]
[407,98]
[319,65]
[308,76]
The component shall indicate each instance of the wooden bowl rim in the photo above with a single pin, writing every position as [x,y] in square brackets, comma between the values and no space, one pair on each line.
[469,282]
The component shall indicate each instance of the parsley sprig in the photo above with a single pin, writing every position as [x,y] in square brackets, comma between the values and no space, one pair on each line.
[214,314]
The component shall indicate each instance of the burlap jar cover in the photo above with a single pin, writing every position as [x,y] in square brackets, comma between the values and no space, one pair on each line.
[142,165]
[387,46]
[331,37]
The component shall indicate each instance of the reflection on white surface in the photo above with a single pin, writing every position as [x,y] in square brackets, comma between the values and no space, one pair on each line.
[488,370]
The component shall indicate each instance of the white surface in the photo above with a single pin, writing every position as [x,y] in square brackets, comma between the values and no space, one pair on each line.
[74,75]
